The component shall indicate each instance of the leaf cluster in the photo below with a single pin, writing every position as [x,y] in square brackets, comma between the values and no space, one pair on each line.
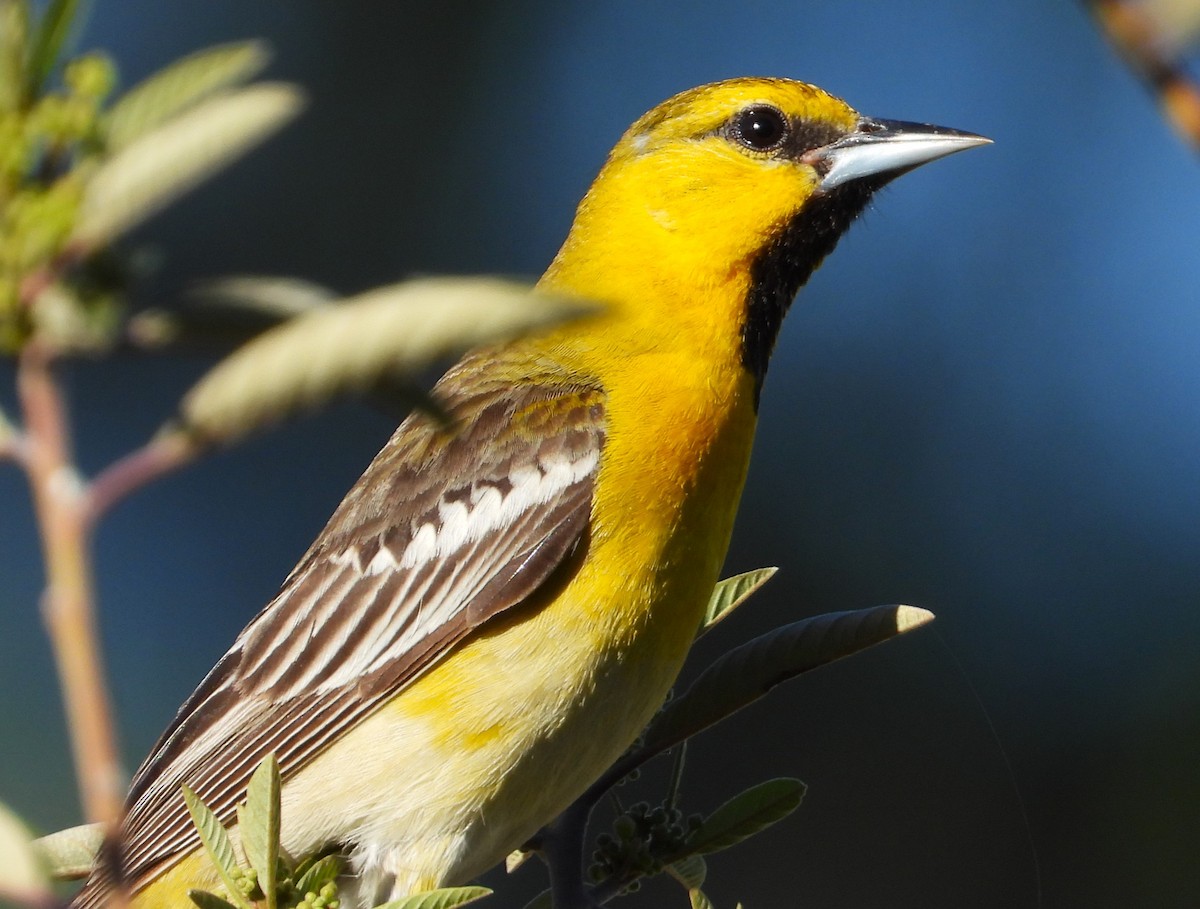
[266,877]
[78,171]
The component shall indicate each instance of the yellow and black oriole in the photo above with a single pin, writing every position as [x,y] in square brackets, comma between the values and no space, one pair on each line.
[493,614]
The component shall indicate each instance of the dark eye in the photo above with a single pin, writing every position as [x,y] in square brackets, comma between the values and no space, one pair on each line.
[760,127]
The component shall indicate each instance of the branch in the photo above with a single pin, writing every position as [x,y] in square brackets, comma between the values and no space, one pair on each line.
[158,457]
[12,442]
[67,602]
[1148,52]
[561,846]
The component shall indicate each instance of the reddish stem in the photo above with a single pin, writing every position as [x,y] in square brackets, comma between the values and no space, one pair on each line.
[60,503]
[126,475]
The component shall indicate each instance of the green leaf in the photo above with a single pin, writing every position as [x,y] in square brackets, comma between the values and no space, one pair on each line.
[233,311]
[163,164]
[179,86]
[446,898]
[385,334]
[321,872]
[206,900]
[69,854]
[46,43]
[212,835]
[216,843]
[690,871]
[731,593]
[746,673]
[274,296]
[22,876]
[544,900]
[258,826]
[14,25]
[699,900]
[227,313]
[746,814]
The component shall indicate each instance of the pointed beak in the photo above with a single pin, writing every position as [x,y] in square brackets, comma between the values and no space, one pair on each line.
[885,148]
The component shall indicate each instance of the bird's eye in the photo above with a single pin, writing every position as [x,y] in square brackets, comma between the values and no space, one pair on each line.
[760,127]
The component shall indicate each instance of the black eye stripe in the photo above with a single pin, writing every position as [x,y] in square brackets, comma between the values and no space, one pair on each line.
[808,135]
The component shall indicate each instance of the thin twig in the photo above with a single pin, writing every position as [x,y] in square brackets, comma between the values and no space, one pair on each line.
[626,764]
[675,781]
[609,889]
[156,458]
[1136,38]
[67,603]
[12,442]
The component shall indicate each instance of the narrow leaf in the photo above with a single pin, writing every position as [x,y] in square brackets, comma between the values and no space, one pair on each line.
[212,835]
[746,814]
[258,826]
[163,164]
[699,900]
[206,900]
[180,86]
[227,313]
[14,25]
[389,333]
[446,898]
[690,871]
[22,877]
[730,593]
[272,295]
[323,871]
[216,843]
[675,780]
[746,673]
[69,854]
[46,43]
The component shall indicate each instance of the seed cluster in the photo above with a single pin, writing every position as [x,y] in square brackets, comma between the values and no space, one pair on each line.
[644,839]
[287,894]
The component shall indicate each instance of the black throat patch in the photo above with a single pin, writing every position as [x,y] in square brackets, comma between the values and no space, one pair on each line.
[786,263]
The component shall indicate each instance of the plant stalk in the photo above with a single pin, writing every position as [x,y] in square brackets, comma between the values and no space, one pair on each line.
[59,497]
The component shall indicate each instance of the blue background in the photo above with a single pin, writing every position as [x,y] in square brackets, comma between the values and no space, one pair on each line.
[985,404]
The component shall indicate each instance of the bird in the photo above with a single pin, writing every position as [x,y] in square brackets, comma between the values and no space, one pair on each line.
[504,598]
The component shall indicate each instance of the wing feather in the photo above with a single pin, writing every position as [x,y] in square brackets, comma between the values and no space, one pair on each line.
[442,532]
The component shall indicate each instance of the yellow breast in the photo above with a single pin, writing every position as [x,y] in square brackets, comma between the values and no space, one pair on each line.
[496,740]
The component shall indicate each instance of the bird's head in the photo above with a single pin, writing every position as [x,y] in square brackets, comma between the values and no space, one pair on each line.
[749,181]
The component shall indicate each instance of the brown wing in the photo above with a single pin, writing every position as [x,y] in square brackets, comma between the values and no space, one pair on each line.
[445,530]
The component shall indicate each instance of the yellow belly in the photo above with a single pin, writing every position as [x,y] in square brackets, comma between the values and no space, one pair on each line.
[475,756]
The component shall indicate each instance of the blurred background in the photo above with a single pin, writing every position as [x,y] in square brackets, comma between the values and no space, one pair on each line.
[987,403]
